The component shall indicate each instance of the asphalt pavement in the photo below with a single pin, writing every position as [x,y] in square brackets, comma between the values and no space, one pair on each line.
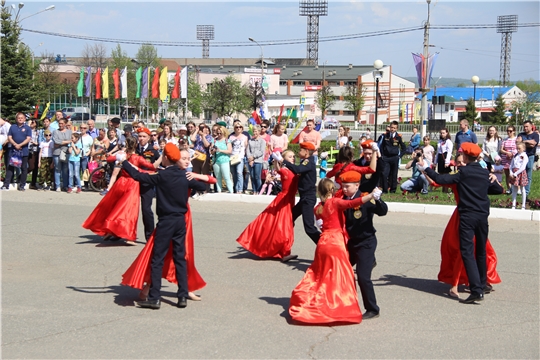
[62,298]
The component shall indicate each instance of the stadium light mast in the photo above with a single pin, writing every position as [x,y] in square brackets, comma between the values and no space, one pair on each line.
[205,33]
[313,9]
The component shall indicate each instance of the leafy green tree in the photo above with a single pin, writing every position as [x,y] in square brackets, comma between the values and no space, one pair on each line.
[498,114]
[15,68]
[354,98]
[147,56]
[325,99]
[470,110]
[528,86]
[226,97]
[527,106]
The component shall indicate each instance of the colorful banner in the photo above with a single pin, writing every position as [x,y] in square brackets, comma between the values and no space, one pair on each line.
[88,81]
[105,87]
[116,81]
[97,81]
[138,78]
[184,83]
[80,85]
[145,76]
[155,84]
[123,82]
[163,84]
[176,88]
[44,115]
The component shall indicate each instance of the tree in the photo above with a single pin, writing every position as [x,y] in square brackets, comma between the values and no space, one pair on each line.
[226,97]
[527,106]
[325,99]
[354,98]
[470,110]
[147,56]
[94,56]
[498,114]
[528,86]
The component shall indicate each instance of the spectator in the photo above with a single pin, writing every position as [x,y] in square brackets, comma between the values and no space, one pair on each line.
[312,136]
[100,145]
[464,134]
[239,143]
[69,125]
[5,145]
[444,154]
[368,133]
[342,138]
[86,144]
[508,150]
[19,136]
[168,134]
[191,132]
[114,123]
[33,154]
[415,138]
[279,139]
[182,135]
[92,131]
[128,132]
[74,166]
[266,135]
[54,123]
[113,142]
[392,150]
[418,181]
[255,157]
[222,150]
[154,143]
[428,149]
[45,161]
[491,146]
[61,139]
[265,130]
[530,139]
[202,145]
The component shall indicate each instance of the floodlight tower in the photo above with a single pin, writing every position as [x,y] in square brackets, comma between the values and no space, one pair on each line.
[313,9]
[205,33]
[506,25]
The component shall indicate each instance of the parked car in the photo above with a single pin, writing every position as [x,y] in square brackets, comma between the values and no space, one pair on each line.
[68,111]
[81,117]
[331,124]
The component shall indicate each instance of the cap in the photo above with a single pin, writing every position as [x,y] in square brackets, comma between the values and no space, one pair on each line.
[350,177]
[367,144]
[144,130]
[222,123]
[172,152]
[471,149]
[308,146]
[128,127]
[182,127]
[162,121]
[115,120]
[323,155]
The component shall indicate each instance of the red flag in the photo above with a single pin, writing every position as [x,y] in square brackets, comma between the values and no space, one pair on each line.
[97,81]
[155,84]
[297,138]
[176,89]
[116,79]
[280,112]
[256,117]
[37,111]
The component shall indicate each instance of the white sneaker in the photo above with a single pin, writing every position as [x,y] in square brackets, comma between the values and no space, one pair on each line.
[519,192]
[58,189]
[196,196]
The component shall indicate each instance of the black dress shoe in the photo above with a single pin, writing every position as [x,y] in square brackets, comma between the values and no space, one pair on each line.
[488,288]
[472,299]
[150,304]
[374,264]
[370,315]
[182,302]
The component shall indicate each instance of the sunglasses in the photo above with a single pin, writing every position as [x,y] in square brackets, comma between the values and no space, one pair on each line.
[83,128]
[238,127]
[48,135]
[154,134]
[509,130]
[263,126]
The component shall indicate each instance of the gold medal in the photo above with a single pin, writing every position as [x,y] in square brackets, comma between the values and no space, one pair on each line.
[357,214]
[372,201]
[367,176]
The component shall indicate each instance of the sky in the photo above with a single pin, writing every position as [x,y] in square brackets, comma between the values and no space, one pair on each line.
[462,53]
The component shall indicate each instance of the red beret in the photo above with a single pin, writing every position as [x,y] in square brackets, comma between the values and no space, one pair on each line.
[350,177]
[144,130]
[308,146]
[367,144]
[471,149]
[172,152]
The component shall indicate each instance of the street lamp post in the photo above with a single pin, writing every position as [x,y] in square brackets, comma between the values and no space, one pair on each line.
[423,89]
[377,74]
[50,7]
[475,79]
[262,68]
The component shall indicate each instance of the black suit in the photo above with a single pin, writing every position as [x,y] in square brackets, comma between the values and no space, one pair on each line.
[392,148]
[369,181]
[473,207]
[171,206]
[147,191]
[362,245]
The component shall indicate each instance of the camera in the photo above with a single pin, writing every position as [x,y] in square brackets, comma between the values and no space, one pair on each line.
[418,154]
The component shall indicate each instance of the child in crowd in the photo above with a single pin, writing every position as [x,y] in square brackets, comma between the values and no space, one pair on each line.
[498,168]
[428,149]
[272,179]
[482,162]
[323,165]
[45,163]
[518,175]
[74,166]
[162,143]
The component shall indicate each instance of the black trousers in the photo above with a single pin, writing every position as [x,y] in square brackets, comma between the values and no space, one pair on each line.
[474,257]
[362,253]
[147,195]
[33,161]
[305,207]
[24,171]
[390,173]
[169,229]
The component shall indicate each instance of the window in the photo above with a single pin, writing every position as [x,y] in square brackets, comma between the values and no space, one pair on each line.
[315,83]
[283,83]
[299,83]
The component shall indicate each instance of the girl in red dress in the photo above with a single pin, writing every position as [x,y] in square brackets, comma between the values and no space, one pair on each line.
[327,293]
[271,234]
[452,270]
[138,274]
[117,213]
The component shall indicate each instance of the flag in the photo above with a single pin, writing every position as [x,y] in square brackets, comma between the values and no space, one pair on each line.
[44,115]
[123,82]
[183,83]
[97,80]
[176,87]
[138,78]
[105,78]
[88,81]
[145,75]
[280,112]
[80,85]
[116,81]
[424,73]
[155,84]
[37,111]
[163,84]
[255,117]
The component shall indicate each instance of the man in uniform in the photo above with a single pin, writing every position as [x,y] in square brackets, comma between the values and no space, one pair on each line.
[369,181]
[362,240]
[472,186]
[392,148]
[171,208]
[307,189]
[147,191]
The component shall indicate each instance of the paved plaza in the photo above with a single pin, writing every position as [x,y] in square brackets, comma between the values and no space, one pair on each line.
[62,298]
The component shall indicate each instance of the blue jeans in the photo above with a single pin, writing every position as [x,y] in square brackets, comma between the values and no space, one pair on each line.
[530,166]
[238,177]
[246,175]
[60,168]
[84,163]
[413,185]
[255,174]
[74,173]
[223,171]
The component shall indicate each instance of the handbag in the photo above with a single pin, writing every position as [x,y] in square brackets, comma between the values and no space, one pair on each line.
[63,156]
[235,159]
[16,158]
[200,156]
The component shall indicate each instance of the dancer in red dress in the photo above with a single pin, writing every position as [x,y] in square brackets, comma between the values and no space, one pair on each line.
[117,213]
[271,234]
[327,293]
[138,274]
[452,270]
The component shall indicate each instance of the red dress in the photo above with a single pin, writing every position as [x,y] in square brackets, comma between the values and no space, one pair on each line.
[271,234]
[327,293]
[118,212]
[452,270]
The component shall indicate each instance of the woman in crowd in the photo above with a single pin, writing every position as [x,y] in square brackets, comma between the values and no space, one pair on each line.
[444,154]
[191,133]
[415,138]
[202,144]
[491,146]
[452,270]
[168,134]
[222,150]
[100,145]
[239,143]
[33,153]
[342,138]
[117,213]
[279,139]
[61,139]
[271,234]
[86,142]
[255,157]
[508,150]
[113,142]
[327,293]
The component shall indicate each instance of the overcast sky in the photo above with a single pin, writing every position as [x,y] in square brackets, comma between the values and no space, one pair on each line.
[463,53]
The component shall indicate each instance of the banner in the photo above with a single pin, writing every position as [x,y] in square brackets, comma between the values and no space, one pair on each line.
[138,78]
[116,81]
[97,81]
[155,84]
[123,82]
[80,85]
[145,76]
[44,115]
[105,87]
[163,84]
[176,88]
[424,74]
[184,83]
[88,81]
